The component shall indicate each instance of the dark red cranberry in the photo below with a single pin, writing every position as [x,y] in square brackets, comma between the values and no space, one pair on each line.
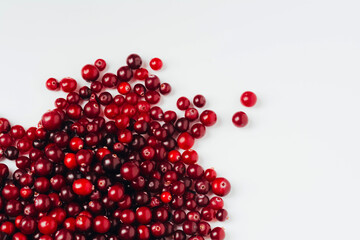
[110,80]
[28,225]
[208,118]
[182,125]
[68,84]
[127,232]
[100,64]
[217,234]
[124,73]
[134,61]
[221,186]
[73,97]
[63,234]
[183,103]
[85,92]
[165,88]
[240,119]
[11,153]
[141,74]
[101,224]
[199,101]
[90,73]
[96,87]
[17,132]
[189,227]
[152,97]
[152,82]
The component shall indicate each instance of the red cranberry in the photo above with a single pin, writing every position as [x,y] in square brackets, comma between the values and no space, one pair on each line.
[152,82]
[165,88]
[143,232]
[17,131]
[116,193]
[141,74]
[157,229]
[221,215]
[82,187]
[127,232]
[221,186]
[124,73]
[110,80]
[191,114]
[68,84]
[240,119]
[63,234]
[185,141]
[183,103]
[129,171]
[47,225]
[208,118]
[134,61]
[100,64]
[217,234]
[8,228]
[101,224]
[90,73]
[10,192]
[248,99]
[4,125]
[189,156]
[199,101]
[52,84]
[83,223]
[156,64]
[95,87]
[210,174]
[204,228]
[189,227]
[152,97]
[51,120]
[166,197]
[42,203]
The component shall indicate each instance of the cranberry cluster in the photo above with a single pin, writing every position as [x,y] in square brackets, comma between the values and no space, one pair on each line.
[100,166]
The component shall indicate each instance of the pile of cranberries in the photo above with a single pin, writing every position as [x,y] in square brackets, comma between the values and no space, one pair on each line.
[102,167]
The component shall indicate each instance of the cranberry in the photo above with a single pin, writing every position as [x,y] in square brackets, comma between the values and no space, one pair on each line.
[199,101]
[183,103]
[217,234]
[47,225]
[63,234]
[100,64]
[166,197]
[191,114]
[110,80]
[210,174]
[152,97]
[156,64]
[90,73]
[51,120]
[189,156]
[116,192]
[52,84]
[143,232]
[152,82]
[185,141]
[82,187]
[189,227]
[157,229]
[95,87]
[83,223]
[141,74]
[68,84]
[17,131]
[127,232]
[129,171]
[240,119]
[204,228]
[165,88]
[124,73]
[4,125]
[221,186]
[134,61]
[101,224]
[7,227]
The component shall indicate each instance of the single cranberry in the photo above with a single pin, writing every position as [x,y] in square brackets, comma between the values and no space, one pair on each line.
[17,131]
[61,103]
[51,120]
[82,187]
[124,73]
[19,236]
[52,84]
[116,192]
[129,171]
[152,82]
[73,97]
[74,111]
[204,228]
[68,84]
[111,111]
[101,224]
[4,171]
[63,234]
[221,215]
[166,197]
[10,192]
[127,232]
[221,186]
[183,103]
[210,174]
[248,99]
[134,61]
[4,125]
[191,114]
[111,163]
[90,73]
[13,208]
[110,80]
[42,203]
[189,156]
[195,171]
[199,101]
[165,88]
[143,232]
[208,118]
[6,140]
[83,223]
[217,234]
[185,141]
[85,92]
[157,229]
[76,144]
[152,97]
[141,74]
[95,87]
[11,153]
[240,119]
[47,225]
[182,125]
[58,214]
[156,64]
[189,227]
[69,224]
[8,228]
[100,64]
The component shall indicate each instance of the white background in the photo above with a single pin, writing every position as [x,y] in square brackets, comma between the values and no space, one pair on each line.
[295,168]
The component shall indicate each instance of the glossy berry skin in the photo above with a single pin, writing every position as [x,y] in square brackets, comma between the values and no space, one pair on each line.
[183,103]
[68,84]
[134,61]
[217,234]
[110,80]
[165,88]
[210,174]
[100,64]
[4,125]
[124,88]
[199,101]
[83,223]
[208,118]
[51,120]
[156,64]
[216,203]
[47,225]
[124,73]
[221,186]
[166,197]
[52,84]
[90,73]
[143,215]
[240,119]
[116,193]
[157,229]
[185,141]
[248,99]
[129,171]
[141,74]
[82,187]
[191,114]
[221,215]
[143,232]
[190,156]
[101,224]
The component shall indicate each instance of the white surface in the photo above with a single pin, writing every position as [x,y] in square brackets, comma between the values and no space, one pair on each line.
[295,168]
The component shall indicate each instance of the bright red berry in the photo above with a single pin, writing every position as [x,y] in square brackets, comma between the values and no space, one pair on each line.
[248,99]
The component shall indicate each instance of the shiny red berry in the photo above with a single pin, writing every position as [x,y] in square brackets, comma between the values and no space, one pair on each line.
[240,119]
[248,99]
[52,84]
[90,73]
[156,64]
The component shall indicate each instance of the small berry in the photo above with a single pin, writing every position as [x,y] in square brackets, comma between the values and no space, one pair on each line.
[52,84]
[240,119]
[156,64]
[100,64]
[248,99]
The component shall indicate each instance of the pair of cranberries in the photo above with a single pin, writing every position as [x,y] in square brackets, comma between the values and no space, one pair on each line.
[248,99]
[105,167]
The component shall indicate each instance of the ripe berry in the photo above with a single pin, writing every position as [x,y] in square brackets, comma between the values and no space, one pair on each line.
[185,141]
[208,118]
[90,73]
[156,64]
[221,186]
[134,61]
[52,84]
[183,103]
[199,101]
[101,224]
[248,99]
[82,187]
[68,84]
[240,119]
[47,225]
[100,64]
[166,197]
[217,234]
